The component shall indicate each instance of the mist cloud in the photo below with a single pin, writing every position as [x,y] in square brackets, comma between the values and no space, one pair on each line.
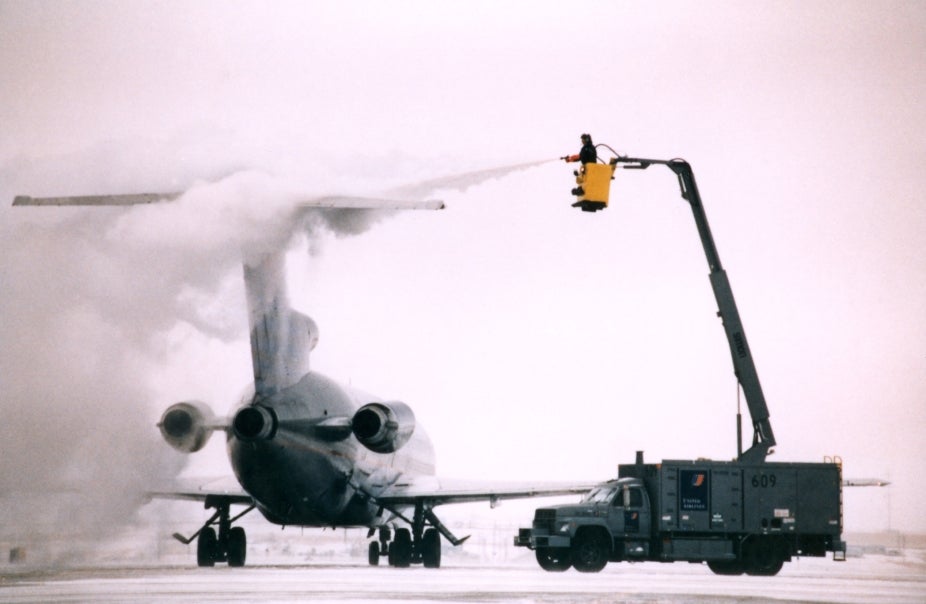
[89,295]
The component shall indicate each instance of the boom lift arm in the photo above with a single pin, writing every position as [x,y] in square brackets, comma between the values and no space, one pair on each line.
[743,365]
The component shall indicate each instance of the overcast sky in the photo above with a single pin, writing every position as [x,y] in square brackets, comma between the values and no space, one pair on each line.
[532,340]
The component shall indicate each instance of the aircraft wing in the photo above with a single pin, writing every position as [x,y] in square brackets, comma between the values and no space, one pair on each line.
[425,493]
[865,482]
[433,491]
[225,488]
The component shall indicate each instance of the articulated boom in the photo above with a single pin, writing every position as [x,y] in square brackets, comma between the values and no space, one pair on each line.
[743,365]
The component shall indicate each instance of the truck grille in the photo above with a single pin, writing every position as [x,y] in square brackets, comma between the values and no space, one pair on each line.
[543,518]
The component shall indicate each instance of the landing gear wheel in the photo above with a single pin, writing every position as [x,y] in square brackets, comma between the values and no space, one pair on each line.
[237,546]
[590,553]
[207,547]
[400,554]
[554,559]
[373,555]
[430,548]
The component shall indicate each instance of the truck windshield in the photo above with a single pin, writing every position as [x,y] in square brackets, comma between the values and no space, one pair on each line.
[599,495]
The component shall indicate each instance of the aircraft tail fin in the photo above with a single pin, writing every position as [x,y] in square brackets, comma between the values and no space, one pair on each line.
[281,338]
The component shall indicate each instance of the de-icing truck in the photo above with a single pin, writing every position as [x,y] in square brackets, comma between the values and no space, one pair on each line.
[743,516]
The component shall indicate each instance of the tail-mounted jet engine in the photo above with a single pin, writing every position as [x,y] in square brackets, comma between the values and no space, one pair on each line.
[187,426]
[255,423]
[384,427]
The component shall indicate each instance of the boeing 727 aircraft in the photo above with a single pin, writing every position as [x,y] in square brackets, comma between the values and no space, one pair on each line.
[305,450]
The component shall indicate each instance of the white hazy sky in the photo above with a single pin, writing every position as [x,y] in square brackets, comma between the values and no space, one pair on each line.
[532,340]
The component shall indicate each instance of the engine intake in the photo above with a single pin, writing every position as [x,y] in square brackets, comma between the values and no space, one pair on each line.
[187,426]
[383,427]
[255,423]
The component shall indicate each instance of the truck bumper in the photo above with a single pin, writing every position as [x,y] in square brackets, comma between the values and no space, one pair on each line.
[529,539]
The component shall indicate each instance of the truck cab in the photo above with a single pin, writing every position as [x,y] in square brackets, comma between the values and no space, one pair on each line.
[612,522]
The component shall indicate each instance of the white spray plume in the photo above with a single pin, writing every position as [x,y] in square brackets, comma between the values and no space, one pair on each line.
[89,293]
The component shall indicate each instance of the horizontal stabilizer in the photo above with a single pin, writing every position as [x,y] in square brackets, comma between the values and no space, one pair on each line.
[96,200]
[131,199]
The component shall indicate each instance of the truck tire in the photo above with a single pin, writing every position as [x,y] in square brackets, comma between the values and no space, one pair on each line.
[726,567]
[590,552]
[764,557]
[554,559]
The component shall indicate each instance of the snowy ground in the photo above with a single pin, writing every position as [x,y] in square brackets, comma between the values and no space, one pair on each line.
[330,567]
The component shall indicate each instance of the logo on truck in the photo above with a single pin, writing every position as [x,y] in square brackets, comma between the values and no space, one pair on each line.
[694,490]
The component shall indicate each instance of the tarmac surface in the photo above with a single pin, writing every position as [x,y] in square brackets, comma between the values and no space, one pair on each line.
[868,580]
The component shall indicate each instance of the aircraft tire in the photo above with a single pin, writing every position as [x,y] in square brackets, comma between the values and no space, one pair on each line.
[400,553]
[373,553]
[207,547]
[237,546]
[431,548]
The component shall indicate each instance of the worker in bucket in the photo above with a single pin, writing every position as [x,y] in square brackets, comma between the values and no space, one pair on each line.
[586,155]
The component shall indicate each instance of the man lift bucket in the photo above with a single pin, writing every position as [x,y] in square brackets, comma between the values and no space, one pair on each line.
[593,179]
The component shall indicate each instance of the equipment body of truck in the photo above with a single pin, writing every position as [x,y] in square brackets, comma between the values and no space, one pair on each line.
[737,517]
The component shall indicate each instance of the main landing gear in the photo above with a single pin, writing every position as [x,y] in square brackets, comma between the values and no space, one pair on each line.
[229,544]
[416,546]
[403,551]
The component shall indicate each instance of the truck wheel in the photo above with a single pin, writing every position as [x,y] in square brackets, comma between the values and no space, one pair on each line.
[554,559]
[764,557]
[590,552]
[726,567]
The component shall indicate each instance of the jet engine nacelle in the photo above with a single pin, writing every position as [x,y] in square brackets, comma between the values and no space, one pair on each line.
[187,426]
[255,422]
[383,427]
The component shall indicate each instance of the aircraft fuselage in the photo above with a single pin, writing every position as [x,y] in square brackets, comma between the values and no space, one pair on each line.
[309,469]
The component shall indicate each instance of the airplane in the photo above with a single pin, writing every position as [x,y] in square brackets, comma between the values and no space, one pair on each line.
[304,449]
